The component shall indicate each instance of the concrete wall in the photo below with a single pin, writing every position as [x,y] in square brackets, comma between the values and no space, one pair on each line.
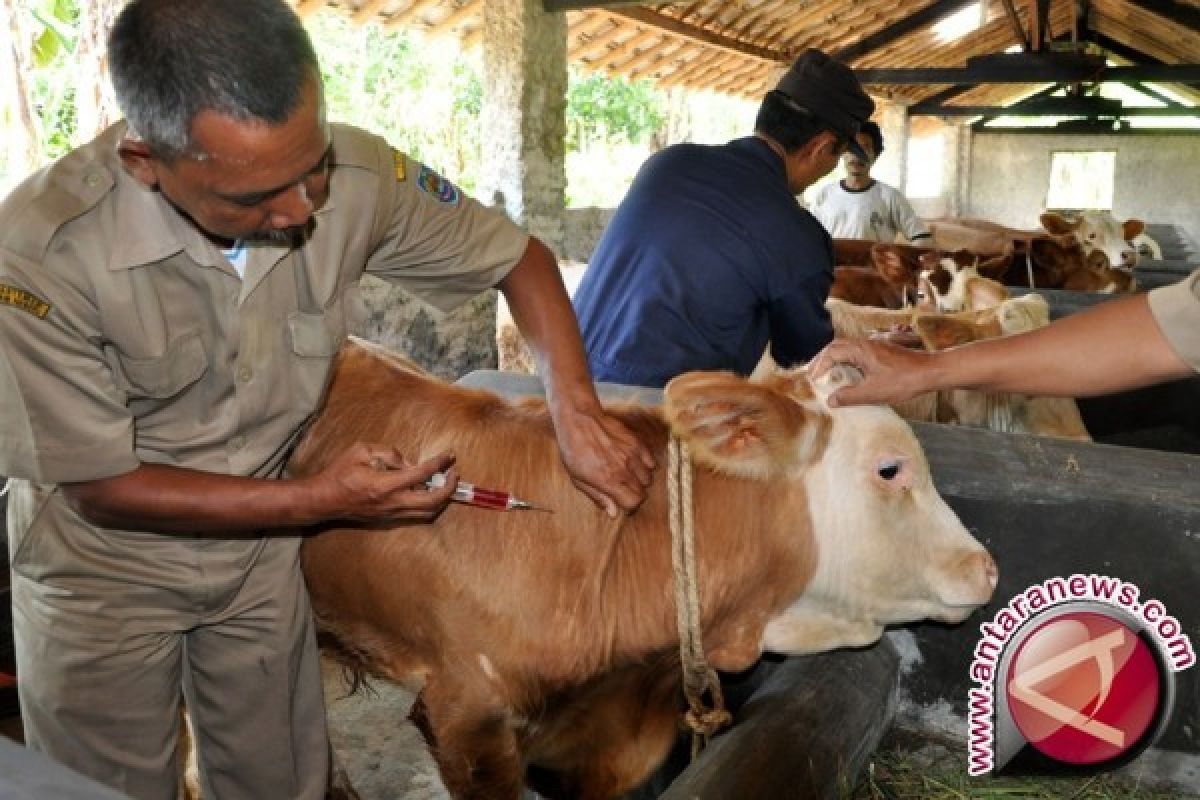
[1155,176]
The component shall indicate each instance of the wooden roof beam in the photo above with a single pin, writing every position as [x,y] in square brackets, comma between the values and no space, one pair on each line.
[306,8]
[587,24]
[551,6]
[1032,73]
[406,16]
[721,68]
[367,11]
[1180,14]
[598,44]
[469,8]
[761,19]
[699,35]
[649,57]
[1015,23]
[1068,108]
[741,79]
[927,16]
[624,49]
[701,64]
[686,71]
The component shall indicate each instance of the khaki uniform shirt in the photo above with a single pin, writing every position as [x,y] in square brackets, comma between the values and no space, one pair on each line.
[1176,309]
[126,337]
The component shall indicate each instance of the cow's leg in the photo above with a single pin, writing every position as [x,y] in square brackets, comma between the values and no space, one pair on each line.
[627,753]
[472,741]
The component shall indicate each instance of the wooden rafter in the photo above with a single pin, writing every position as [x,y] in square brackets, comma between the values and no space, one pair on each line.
[583,5]
[599,43]
[924,18]
[367,11]
[625,48]
[700,35]
[407,15]
[306,8]
[469,8]
[678,43]
[1179,13]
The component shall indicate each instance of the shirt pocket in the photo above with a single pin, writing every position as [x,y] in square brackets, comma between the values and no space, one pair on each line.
[163,377]
[316,339]
[316,335]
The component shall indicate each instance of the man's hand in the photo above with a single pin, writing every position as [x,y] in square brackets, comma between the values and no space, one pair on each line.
[604,459]
[374,483]
[890,373]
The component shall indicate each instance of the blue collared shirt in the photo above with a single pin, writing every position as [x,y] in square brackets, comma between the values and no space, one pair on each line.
[708,258]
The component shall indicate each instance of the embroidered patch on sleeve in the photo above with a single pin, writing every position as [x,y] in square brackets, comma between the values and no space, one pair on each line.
[401,170]
[443,190]
[27,302]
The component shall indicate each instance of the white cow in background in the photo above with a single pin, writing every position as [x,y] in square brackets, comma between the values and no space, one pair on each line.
[1120,242]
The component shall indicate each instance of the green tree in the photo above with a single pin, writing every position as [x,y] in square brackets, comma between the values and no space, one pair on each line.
[611,110]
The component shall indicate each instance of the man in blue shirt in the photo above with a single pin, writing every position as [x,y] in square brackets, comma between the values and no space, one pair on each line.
[709,256]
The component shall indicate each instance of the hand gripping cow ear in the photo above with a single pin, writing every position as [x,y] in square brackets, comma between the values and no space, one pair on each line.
[742,428]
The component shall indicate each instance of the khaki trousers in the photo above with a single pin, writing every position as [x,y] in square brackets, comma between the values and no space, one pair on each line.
[112,626]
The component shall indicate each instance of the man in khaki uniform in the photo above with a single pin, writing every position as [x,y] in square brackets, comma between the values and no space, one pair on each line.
[1124,344]
[171,298]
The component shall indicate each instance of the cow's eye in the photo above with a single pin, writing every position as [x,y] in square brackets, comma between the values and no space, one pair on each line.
[888,470]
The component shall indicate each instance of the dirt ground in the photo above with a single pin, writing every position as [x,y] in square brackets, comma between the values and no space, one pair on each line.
[381,751]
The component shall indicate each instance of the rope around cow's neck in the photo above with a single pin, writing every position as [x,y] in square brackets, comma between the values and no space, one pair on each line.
[699,678]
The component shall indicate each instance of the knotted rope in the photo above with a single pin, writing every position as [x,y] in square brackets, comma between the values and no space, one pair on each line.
[699,679]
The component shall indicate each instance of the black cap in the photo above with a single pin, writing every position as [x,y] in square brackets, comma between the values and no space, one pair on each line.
[831,92]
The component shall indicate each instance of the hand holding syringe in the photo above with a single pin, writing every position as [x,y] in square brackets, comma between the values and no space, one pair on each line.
[472,495]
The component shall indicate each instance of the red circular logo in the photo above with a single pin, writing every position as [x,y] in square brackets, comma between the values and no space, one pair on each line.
[1083,688]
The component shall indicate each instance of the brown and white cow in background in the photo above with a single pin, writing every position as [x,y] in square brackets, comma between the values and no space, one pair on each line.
[550,639]
[878,274]
[1010,413]
[1100,231]
[1038,259]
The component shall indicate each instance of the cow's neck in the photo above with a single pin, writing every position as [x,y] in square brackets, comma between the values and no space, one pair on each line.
[753,557]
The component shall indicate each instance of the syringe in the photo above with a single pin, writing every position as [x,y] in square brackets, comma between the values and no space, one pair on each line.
[472,495]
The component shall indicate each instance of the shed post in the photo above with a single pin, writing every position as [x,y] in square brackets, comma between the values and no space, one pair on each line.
[892,167]
[524,115]
[523,171]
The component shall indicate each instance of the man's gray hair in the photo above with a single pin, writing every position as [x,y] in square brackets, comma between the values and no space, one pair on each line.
[172,59]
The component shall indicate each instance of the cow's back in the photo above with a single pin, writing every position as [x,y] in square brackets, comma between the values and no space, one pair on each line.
[478,580]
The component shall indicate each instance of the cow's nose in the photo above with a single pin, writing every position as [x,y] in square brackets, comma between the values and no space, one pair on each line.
[1129,258]
[1097,260]
[980,569]
[990,571]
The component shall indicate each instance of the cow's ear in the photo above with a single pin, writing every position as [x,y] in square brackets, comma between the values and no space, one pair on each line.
[939,333]
[1131,228]
[984,293]
[1058,224]
[746,429]
[995,267]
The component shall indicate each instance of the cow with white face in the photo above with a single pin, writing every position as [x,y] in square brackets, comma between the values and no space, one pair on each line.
[1100,231]
[845,603]
[550,639]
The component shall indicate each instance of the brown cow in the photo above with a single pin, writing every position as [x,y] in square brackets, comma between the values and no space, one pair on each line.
[1054,258]
[864,286]
[876,274]
[549,640]
[1000,411]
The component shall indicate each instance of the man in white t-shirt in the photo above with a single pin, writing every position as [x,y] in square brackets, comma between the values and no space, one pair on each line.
[860,207]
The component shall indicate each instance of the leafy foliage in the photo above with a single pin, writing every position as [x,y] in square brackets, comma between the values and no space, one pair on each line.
[613,110]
